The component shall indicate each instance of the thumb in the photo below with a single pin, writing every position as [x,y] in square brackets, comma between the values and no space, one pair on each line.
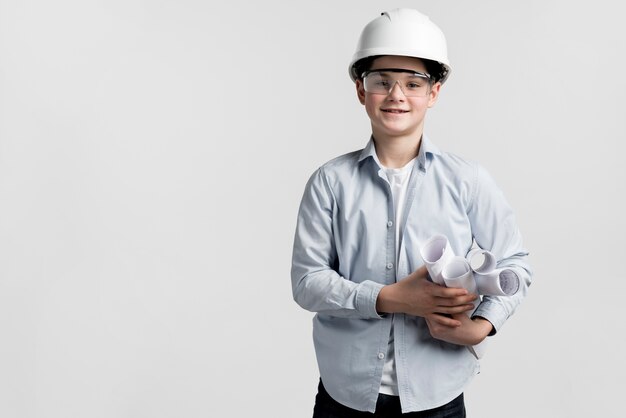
[422,272]
[419,274]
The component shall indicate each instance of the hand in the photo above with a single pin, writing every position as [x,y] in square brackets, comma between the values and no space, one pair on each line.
[470,332]
[416,295]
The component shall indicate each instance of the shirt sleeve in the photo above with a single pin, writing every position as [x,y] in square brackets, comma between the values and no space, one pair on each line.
[494,228]
[316,284]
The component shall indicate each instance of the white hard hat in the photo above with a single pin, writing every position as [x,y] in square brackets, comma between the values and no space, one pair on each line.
[404,32]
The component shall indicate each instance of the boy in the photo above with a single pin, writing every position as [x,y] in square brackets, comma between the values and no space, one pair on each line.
[389,341]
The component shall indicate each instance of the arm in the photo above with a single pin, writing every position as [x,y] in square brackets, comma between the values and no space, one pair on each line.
[494,228]
[471,331]
[316,285]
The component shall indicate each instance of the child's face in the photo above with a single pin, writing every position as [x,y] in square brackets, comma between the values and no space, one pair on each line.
[394,114]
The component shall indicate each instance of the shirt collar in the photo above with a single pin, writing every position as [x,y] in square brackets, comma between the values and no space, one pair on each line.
[426,148]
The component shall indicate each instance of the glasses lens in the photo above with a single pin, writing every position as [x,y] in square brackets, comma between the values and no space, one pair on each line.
[412,84]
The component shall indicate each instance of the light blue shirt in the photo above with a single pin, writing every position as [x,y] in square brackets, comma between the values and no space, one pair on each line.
[345,252]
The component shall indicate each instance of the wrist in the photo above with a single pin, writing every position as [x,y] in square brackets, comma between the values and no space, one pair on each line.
[485,327]
[386,303]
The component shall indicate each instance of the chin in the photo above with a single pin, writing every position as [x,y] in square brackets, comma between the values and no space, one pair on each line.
[407,131]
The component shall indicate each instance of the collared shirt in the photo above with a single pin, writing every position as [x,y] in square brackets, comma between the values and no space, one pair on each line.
[344,253]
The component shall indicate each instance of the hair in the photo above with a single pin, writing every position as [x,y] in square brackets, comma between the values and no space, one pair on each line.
[436,70]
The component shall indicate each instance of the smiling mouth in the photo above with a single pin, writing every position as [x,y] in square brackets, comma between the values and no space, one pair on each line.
[397,111]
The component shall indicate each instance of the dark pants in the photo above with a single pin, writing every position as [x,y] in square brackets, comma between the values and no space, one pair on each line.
[386,407]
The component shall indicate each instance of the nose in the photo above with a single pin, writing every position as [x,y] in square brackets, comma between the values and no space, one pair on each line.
[396,92]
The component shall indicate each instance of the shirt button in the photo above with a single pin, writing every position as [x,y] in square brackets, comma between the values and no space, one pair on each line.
[389,266]
[389,223]
[381,355]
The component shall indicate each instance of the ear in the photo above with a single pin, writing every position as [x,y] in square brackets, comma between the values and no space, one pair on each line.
[434,94]
[360,91]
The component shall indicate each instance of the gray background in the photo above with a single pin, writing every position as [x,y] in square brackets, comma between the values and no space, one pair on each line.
[152,159]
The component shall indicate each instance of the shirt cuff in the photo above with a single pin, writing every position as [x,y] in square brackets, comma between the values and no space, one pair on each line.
[493,313]
[366,297]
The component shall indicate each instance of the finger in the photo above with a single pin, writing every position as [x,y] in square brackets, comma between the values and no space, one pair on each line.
[444,320]
[461,309]
[458,300]
[471,297]
[420,273]
[456,309]
[422,270]
[449,292]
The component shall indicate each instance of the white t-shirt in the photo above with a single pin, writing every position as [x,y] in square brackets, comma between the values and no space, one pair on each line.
[399,181]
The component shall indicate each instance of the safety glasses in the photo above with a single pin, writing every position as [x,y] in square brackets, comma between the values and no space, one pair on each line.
[412,83]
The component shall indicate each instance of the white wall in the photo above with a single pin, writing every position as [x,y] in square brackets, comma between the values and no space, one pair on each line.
[152,158]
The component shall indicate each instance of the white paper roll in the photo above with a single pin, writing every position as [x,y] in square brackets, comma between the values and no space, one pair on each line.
[501,282]
[436,253]
[448,270]
[458,273]
[481,261]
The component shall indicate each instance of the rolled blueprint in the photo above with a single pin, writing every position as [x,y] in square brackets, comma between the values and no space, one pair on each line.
[501,282]
[476,272]
[481,261]
[458,273]
[436,253]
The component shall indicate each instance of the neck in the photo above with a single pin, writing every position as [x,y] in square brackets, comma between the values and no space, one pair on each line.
[396,152]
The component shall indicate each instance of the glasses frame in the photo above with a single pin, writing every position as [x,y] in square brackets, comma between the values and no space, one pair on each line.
[397,70]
